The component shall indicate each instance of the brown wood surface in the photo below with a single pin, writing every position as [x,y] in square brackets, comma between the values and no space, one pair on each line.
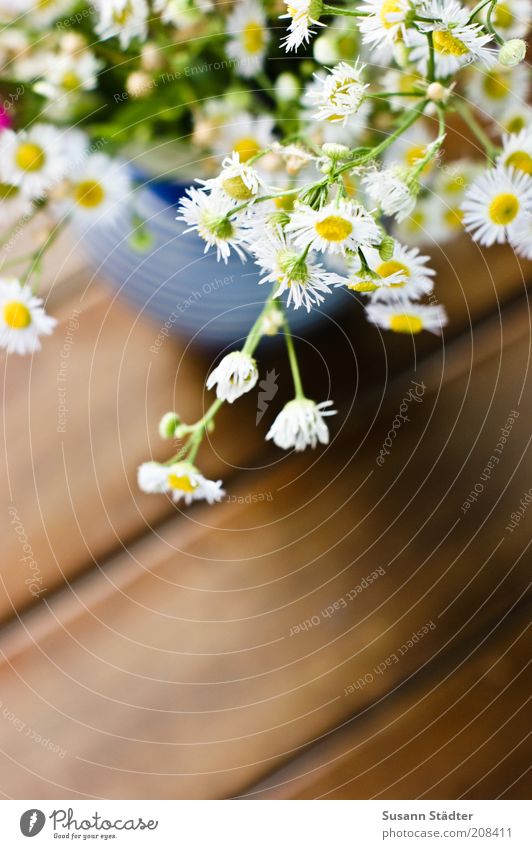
[168,670]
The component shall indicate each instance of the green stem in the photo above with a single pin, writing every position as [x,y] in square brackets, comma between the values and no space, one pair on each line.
[336,10]
[431,70]
[410,119]
[467,116]
[434,147]
[35,264]
[292,358]
[478,8]
[489,25]
[397,94]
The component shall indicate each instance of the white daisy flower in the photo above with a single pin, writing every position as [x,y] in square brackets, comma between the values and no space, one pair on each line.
[33,160]
[244,134]
[445,218]
[496,204]
[498,91]
[234,376]
[303,15]
[410,148]
[126,19]
[182,13]
[517,151]
[238,181]
[72,72]
[99,190]
[456,42]
[521,240]
[404,276]
[339,94]
[385,22]
[391,191]
[407,317]
[515,118]
[329,131]
[511,18]
[249,37]
[305,281]
[338,226]
[301,424]
[22,318]
[181,480]
[209,214]
[13,205]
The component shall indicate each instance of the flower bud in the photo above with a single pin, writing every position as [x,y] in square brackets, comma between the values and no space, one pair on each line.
[286,87]
[437,92]
[512,52]
[168,425]
[72,42]
[139,84]
[386,248]
[336,151]
[325,50]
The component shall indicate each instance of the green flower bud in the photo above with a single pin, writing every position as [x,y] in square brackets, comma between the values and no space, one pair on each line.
[168,424]
[512,52]
[386,248]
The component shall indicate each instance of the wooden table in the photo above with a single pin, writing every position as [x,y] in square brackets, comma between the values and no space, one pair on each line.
[338,628]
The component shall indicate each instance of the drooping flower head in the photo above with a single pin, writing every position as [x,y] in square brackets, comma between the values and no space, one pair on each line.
[234,376]
[300,424]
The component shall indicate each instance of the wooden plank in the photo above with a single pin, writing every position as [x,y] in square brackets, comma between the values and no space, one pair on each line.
[78,419]
[460,732]
[173,672]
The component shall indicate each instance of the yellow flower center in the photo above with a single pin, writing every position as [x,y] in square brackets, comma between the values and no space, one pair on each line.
[502,16]
[89,193]
[503,209]
[363,285]
[246,148]
[70,81]
[453,217]
[120,18]
[393,266]
[236,188]
[389,7]
[253,37]
[414,154]
[455,184]
[181,482]
[334,228]
[520,160]
[495,86]
[515,124]
[17,315]
[285,202]
[448,45]
[405,323]
[30,157]
[417,221]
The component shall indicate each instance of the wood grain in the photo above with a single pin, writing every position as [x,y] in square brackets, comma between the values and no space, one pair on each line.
[172,672]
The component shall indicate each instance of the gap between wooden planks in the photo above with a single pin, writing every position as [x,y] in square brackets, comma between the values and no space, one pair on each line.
[173,672]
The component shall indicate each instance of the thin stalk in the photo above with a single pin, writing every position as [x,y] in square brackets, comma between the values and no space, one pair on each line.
[292,358]
[336,10]
[478,8]
[431,70]
[468,117]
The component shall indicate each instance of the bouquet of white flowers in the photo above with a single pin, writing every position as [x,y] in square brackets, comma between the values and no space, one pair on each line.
[333,169]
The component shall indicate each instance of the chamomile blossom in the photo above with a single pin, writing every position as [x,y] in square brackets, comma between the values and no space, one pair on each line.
[22,318]
[210,215]
[303,14]
[242,133]
[392,191]
[125,19]
[13,205]
[181,480]
[495,205]
[521,240]
[456,41]
[404,275]
[511,18]
[338,226]
[515,118]
[72,72]
[33,160]
[306,281]
[517,151]
[405,316]
[99,189]
[332,130]
[300,424]
[384,22]
[340,93]
[234,376]
[249,37]
[237,181]
[498,90]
